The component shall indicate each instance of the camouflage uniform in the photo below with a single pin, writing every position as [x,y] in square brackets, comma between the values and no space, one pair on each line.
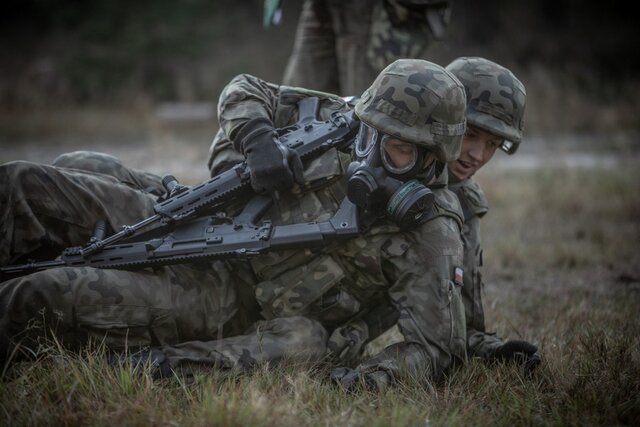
[474,206]
[108,165]
[386,274]
[45,209]
[496,101]
[496,104]
[341,46]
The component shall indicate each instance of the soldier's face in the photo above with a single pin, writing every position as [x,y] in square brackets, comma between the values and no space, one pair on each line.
[478,146]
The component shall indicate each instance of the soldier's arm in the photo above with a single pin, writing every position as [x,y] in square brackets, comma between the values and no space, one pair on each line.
[421,266]
[246,97]
[480,343]
[222,155]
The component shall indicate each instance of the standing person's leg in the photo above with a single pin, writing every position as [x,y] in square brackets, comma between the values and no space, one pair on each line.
[352,26]
[312,63]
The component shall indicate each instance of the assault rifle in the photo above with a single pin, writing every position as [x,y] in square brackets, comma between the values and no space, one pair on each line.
[189,226]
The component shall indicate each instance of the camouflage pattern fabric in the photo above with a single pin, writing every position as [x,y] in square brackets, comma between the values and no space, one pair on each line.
[291,340]
[46,208]
[49,208]
[496,98]
[419,102]
[225,157]
[412,271]
[329,46]
[107,164]
[480,343]
[120,308]
[340,46]
[404,29]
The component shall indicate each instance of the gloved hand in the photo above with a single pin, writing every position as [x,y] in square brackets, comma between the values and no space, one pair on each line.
[272,165]
[350,379]
[160,365]
[520,352]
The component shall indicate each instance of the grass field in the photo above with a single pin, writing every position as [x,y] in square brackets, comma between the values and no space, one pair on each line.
[562,269]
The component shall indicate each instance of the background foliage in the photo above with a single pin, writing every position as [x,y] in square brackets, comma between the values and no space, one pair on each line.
[571,54]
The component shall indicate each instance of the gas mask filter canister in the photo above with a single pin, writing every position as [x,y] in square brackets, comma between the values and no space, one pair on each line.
[382,178]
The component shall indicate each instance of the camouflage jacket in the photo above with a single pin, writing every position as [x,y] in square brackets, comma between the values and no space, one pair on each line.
[474,206]
[413,271]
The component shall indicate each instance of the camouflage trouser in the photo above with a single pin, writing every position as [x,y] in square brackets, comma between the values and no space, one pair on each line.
[330,45]
[106,164]
[44,209]
[292,339]
[120,308]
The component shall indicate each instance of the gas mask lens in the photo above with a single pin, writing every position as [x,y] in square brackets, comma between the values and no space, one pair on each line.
[398,157]
[381,180]
[365,140]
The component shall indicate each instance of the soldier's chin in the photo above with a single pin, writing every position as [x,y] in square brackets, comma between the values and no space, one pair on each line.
[460,171]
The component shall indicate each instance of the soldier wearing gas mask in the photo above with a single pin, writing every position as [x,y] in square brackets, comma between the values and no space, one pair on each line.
[398,154]
[405,269]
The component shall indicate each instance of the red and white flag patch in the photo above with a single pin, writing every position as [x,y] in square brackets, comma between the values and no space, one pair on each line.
[458,276]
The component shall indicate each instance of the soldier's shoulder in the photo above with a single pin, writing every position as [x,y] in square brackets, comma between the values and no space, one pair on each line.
[471,196]
[446,203]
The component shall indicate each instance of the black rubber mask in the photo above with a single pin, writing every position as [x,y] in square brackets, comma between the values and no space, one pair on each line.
[382,178]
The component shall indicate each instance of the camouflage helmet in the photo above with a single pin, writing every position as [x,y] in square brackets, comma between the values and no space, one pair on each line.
[419,102]
[495,98]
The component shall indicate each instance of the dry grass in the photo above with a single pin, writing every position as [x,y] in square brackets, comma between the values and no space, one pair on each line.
[562,270]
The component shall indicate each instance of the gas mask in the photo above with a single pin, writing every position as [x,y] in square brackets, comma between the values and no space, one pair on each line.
[382,179]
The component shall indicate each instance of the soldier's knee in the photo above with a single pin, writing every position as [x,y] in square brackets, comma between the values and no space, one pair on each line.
[35,293]
[12,172]
[91,161]
[34,304]
[24,178]
[304,336]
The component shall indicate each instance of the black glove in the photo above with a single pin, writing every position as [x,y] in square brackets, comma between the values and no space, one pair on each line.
[272,165]
[520,352]
[156,359]
[346,378]
[350,379]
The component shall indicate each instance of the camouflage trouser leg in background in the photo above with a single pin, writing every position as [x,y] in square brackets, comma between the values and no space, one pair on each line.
[106,164]
[44,209]
[293,339]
